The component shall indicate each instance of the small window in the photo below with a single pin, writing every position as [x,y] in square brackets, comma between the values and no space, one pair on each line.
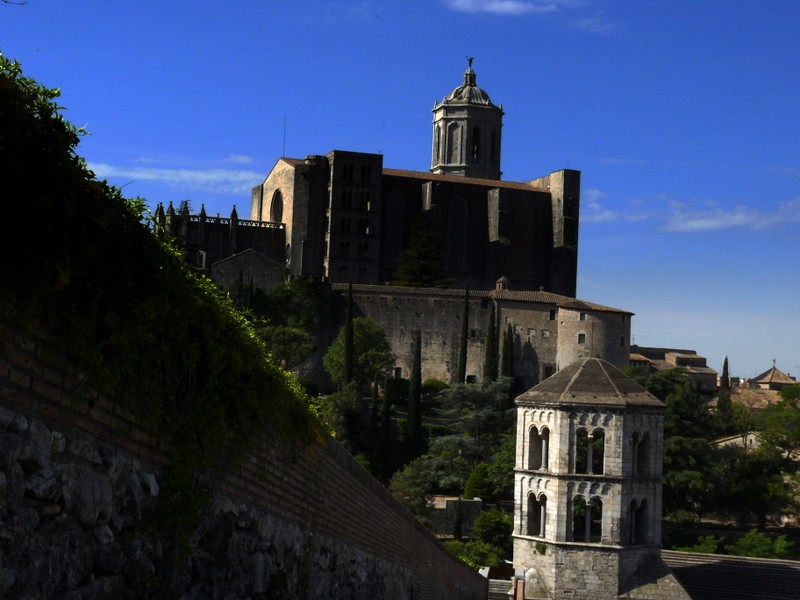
[472,379]
[398,372]
[622,320]
[581,338]
[473,333]
[545,333]
[622,341]
[552,314]
[583,316]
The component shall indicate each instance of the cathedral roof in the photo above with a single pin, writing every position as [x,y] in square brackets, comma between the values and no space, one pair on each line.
[590,381]
[469,92]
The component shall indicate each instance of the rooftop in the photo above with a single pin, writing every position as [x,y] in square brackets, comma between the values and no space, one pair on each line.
[591,381]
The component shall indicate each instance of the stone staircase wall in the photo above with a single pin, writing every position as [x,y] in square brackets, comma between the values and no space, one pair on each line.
[79,479]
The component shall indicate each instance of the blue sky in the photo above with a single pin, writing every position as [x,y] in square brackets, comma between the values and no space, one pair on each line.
[683,117]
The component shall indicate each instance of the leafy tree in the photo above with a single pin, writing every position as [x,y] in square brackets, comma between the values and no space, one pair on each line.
[432,387]
[760,545]
[780,422]
[500,470]
[490,363]
[473,409]
[495,528]
[371,353]
[478,484]
[414,434]
[289,345]
[461,369]
[687,431]
[475,553]
[349,351]
[412,483]
[707,544]
[420,262]
[749,486]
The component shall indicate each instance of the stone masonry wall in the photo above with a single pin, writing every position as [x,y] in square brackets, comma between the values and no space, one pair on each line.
[79,479]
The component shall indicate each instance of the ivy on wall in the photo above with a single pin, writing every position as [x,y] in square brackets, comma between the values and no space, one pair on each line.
[79,261]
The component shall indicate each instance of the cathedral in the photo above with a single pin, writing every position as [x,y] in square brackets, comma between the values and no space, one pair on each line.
[344,217]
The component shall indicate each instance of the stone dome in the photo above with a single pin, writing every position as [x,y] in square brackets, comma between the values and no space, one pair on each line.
[469,92]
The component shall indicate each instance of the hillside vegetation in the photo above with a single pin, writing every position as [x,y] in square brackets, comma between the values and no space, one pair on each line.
[81,267]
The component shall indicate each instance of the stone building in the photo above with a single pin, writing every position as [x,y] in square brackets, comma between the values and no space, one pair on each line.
[587,517]
[344,217]
[549,331]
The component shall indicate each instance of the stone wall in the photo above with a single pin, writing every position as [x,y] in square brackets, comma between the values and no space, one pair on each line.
[79,479]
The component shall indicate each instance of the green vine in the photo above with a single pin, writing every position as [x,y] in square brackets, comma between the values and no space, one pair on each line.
[118,299]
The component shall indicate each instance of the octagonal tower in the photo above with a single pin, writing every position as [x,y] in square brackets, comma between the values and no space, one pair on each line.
[587,522]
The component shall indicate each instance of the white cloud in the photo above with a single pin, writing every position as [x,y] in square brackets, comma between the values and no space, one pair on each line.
[597,25]
[706,216]
[220,181]
[504,7]
[239,159]
[592,210]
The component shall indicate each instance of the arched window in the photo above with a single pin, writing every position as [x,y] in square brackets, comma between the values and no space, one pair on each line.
[597,451]
[538,448]
[587,520]
[276,207]
[453,144]
[590,451]
[537,515]
[476,145]
[581,451]
[641,454]
[637,518]
[595,520]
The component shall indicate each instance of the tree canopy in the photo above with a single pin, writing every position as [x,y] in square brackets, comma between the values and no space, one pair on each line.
[372,354]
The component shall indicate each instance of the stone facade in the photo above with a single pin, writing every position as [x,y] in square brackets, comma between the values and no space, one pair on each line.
[546,329]
[79,478]
[587,520]
[344,217]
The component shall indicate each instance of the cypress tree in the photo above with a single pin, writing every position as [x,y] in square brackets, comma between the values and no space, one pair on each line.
[508,352]
[490,363]
[725,418]
[414,423]
[461,370]
[348,336]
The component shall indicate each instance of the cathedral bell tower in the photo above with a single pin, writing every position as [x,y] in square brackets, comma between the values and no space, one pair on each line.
[466,132]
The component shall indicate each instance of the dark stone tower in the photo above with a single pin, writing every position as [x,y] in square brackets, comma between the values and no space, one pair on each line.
[466,132]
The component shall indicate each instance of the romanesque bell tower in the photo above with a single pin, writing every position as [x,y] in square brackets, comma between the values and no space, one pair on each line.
[587,522]
[466,132]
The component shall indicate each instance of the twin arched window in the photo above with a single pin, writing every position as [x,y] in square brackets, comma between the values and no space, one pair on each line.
[590,451]
[587,520]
